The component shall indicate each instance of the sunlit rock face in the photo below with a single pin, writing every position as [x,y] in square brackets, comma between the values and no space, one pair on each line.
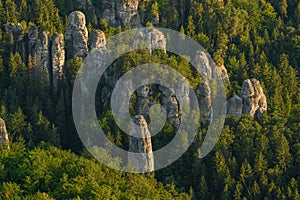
[97,39]
[4,141]
[209,70]
[143,162]
[76,36]
[152,38]
[58,57]
[254,99]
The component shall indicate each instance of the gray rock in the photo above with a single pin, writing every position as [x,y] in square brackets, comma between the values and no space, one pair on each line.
[234,107]
[3,135]
[142,101]
[97,39]
[58,57]
[254,99]
[208,69]
[169,102]
[33,34]
[119,13]
[87,5]
[76,36]
[39,50]
[204,100]
[127,13]
[143,162]
[150,38]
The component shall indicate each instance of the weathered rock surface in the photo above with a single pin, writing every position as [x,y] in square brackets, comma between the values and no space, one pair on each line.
[87,5]
[142,101]
[152,38]
[4,141]
[169,102]
[204,100]
[97,39]
[254,99]
[119,13]
[209,70]
[143,162]
[58,56]
[76,36]
[39,50]
[234,107]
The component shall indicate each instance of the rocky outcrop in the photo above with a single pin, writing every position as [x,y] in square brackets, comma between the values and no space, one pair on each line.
[57,57]
[142,144]
[152,38]
[119,13]
[39,50]
[4,141]
[208,70]
[142,101]
[76,36]
[97,39]
[251,101]
[169,102]
[254,99]
[204,101]
[87,5]
[234,107]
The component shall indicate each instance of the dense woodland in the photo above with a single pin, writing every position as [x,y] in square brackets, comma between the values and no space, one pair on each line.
[254,159]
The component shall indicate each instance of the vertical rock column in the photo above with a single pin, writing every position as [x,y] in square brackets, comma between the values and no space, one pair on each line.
[142,162]
[76,36]
[58,57]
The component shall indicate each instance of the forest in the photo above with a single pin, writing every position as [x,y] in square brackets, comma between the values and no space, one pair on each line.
[255,158]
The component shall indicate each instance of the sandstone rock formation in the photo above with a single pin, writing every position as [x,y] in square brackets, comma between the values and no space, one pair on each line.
[4,141]
[254,99]
[234,107]
[97,39]
[142,101]
[58,57]
[39,50]
[152,38]
[127,13]
[169,102]
[208,70]
[143,162]
[76,36]
[204,101]
[118,13]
